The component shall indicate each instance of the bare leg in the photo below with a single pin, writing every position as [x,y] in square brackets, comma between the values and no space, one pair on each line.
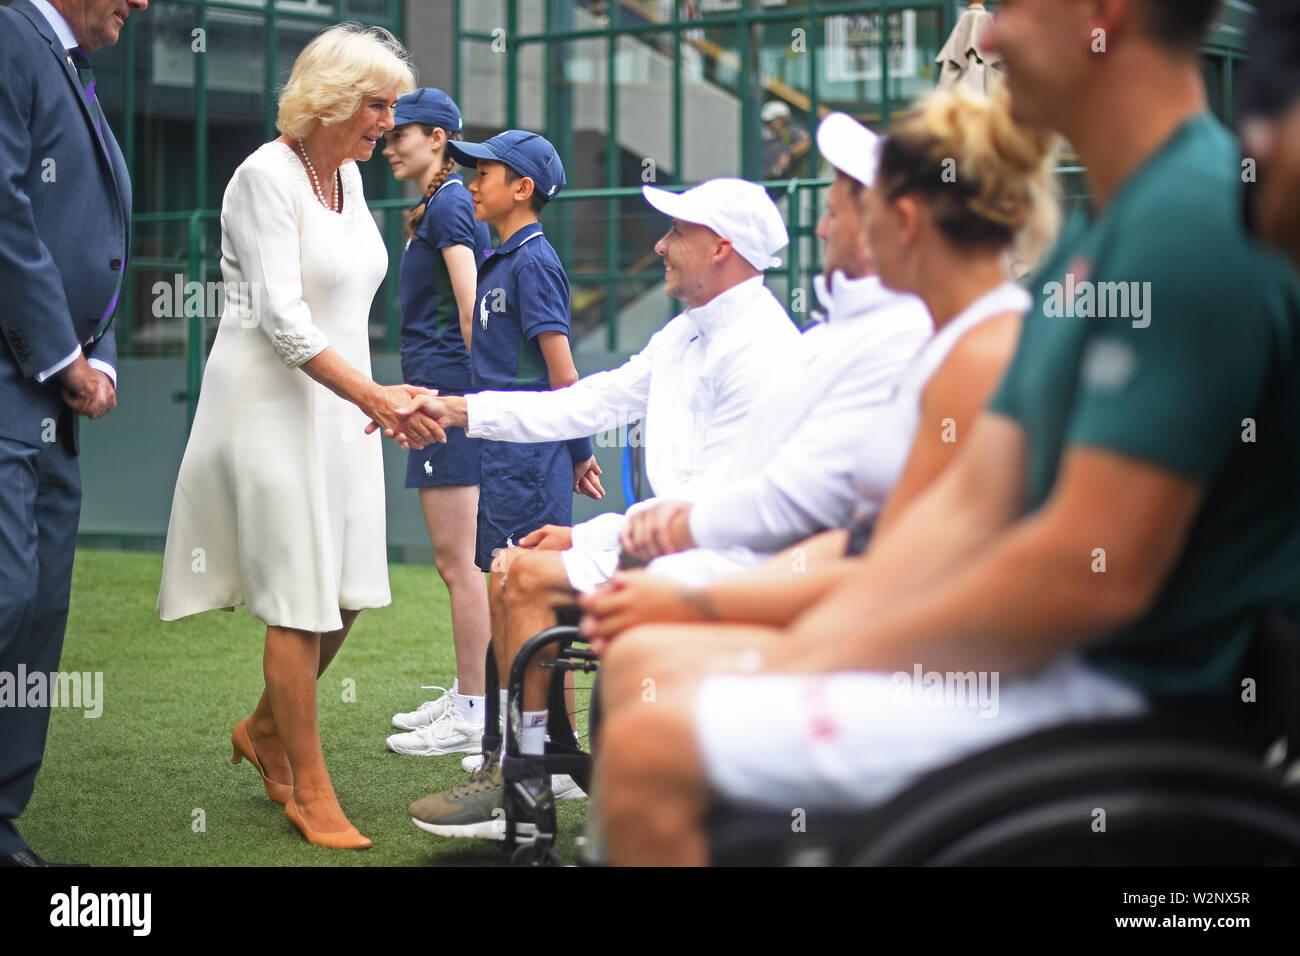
[537,586]
[651,786]
[292,662]
[652,790]
[497,601]
[261,725]
[451,514]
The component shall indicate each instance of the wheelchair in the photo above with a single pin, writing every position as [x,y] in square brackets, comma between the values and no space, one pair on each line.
[564,752]
[1194,783]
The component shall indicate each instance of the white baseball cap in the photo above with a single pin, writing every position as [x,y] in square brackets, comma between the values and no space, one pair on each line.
[848,146]
[735,209]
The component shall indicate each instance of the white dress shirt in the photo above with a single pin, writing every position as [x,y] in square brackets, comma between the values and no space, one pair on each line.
[694,385]
[793,471]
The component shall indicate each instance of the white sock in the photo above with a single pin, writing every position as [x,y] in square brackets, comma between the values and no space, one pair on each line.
[534,741]
[470,708]
[502,709]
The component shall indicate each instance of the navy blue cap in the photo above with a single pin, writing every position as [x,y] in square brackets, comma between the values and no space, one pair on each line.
[528,154]
[428,106]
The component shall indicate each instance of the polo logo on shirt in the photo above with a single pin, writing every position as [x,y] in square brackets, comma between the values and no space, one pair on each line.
[498,297]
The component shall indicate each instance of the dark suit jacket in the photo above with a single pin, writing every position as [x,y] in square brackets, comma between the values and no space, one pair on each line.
[65,218]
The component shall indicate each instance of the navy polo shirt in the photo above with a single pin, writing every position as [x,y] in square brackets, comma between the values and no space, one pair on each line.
[522,292]
[433,350]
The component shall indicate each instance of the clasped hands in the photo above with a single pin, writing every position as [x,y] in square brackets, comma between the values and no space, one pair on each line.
[86,390]
[410,415]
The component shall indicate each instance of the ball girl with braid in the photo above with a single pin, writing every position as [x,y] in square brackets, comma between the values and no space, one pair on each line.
[444,247]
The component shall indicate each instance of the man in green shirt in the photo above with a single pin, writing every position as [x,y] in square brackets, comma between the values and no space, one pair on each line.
[1106,535]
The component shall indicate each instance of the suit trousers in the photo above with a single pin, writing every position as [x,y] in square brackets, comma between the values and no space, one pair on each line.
[39,511]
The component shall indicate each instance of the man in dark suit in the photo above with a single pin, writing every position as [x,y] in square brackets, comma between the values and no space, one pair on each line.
[65,207]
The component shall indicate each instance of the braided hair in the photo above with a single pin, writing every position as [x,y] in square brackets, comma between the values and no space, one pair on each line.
[416,215]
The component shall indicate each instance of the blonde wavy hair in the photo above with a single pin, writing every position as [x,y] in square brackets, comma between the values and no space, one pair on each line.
[334,74]
[988,180]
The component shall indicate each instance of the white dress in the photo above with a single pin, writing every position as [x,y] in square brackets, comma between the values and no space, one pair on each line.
[279,504]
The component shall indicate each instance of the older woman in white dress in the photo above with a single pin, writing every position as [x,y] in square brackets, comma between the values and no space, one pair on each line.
[279,504]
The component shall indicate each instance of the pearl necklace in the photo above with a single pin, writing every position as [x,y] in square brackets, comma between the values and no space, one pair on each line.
[315,182]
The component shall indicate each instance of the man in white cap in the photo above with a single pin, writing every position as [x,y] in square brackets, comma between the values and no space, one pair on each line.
[693,386]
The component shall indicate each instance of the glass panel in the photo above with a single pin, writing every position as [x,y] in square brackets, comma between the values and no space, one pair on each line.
[236,83]
[711,103]
[368,9]
[643,71]
[164,108]
[482,15]
[530,92]
[482,90]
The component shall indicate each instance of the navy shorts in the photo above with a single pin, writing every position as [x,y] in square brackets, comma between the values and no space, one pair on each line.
[521,488]
[455,463]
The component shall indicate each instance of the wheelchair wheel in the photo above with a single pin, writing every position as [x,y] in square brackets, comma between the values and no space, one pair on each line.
[530,854]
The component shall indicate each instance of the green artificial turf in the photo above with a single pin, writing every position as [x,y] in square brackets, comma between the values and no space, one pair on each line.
[125,788]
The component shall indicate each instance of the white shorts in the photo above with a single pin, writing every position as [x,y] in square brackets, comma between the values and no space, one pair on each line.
[589,569]
[853,740]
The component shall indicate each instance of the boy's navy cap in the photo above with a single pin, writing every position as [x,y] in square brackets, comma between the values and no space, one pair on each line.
[528,154]
[428,106]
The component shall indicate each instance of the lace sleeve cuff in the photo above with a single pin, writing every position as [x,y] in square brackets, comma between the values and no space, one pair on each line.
[294,348]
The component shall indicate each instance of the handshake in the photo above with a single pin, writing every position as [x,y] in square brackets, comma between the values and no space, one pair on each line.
[413,416]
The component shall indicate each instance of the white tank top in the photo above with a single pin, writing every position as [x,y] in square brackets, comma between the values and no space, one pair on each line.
[891,426]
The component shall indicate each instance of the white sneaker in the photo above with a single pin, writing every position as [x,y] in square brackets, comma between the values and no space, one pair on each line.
[565,788]
[426,713]
[450,733]
[472,763]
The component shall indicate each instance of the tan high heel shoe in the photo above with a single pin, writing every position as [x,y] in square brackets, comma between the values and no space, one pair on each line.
[349,839]
[279,792]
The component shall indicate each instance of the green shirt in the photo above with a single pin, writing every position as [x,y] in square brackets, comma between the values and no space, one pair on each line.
[1196,374]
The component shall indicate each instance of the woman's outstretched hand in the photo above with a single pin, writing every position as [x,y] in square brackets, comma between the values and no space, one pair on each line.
[407,414]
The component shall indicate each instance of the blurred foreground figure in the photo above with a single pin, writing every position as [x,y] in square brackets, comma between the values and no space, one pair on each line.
[1106,535]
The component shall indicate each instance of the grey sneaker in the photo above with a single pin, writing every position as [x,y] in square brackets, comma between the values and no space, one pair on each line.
[473,809]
